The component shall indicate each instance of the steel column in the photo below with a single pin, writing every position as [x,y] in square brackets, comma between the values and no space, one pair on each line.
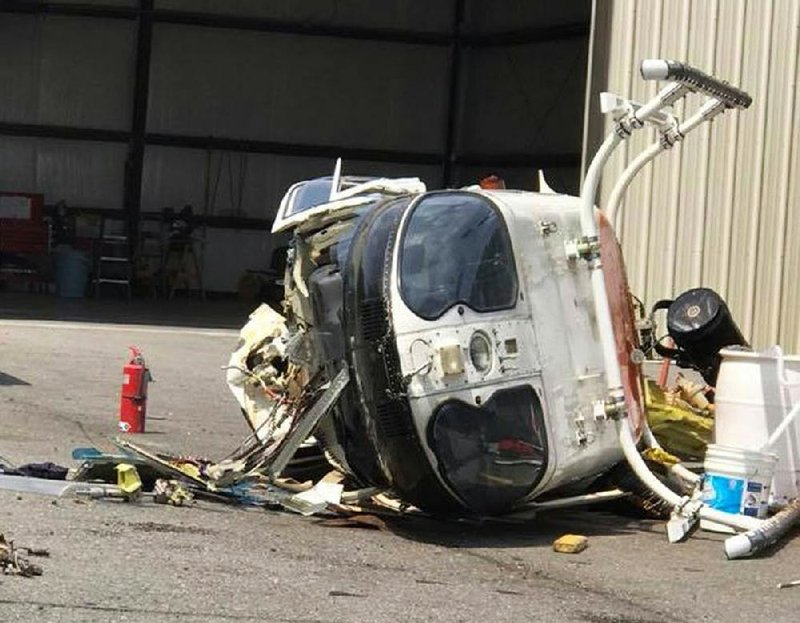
[453,95]
[132,197]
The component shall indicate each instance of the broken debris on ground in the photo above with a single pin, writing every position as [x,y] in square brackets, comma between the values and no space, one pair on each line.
[13,562]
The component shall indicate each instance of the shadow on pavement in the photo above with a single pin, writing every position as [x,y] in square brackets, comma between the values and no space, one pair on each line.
[7,380]
[224,313]
[539,531]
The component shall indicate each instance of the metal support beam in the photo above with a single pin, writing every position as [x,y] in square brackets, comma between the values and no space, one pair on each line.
[220,143]
[260,24]
[217,20]
[217,222]
[132,196]
[68,9]
[291,149]
[453,96]
[528,36]
[35,130]
[288,149]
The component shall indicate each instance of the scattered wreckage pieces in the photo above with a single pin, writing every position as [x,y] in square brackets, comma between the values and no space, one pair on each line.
[316,499]
[50,479]
[44,471]
[365,520]
[128,487]
[250,477]
[259,386]
[12,562]
[184,479]
[270,458]
[171,492]
[179,469]
[305,423]
[162,465]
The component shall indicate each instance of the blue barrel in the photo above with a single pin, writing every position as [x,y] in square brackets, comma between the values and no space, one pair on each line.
[72,272]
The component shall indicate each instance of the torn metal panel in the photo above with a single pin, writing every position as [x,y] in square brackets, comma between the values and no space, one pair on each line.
[261,389]
[164,465]
[305,424]
[316,499]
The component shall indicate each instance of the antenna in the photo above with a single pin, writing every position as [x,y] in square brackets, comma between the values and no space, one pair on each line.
[544,187]
[337,178]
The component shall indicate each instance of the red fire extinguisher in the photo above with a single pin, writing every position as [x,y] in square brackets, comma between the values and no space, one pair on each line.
[133,397]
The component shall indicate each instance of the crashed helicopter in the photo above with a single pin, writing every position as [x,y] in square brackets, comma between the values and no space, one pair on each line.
[473,350]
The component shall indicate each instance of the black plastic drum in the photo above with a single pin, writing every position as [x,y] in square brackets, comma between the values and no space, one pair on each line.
[700,324]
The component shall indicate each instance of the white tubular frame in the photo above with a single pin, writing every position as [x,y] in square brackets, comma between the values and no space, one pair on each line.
[686,510]
[669,137]
[634,120]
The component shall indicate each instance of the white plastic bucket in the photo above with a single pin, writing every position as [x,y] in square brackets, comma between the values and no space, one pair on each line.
[738,480]
[754,393]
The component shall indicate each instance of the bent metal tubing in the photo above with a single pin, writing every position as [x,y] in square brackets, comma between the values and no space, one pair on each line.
[633,121]
[707,112]
[683,506]
[710,109]
[678,470]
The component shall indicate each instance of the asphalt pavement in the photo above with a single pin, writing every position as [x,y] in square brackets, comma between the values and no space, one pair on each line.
[112,561]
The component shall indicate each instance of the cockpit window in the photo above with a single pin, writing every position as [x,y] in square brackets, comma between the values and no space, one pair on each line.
[456,249]
[309,195]
[313,193]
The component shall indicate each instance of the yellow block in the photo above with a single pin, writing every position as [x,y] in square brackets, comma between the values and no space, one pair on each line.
[128,480]
[570,544]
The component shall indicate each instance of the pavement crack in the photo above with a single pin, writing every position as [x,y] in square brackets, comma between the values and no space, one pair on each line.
[153,611]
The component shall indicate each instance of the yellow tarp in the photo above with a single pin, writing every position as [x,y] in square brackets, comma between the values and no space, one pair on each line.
[680,429]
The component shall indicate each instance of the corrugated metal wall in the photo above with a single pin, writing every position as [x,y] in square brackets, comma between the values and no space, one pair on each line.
[56,71]
[723,210]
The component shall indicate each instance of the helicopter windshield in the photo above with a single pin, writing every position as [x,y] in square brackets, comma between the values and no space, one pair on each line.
[456,249]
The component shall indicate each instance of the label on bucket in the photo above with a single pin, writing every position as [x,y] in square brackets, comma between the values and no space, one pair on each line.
[723,493]
[735,495]
[753,496]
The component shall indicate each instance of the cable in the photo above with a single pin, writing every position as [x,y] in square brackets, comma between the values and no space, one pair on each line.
[213,199]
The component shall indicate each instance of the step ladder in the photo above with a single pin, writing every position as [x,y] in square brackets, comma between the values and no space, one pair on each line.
[113,264]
